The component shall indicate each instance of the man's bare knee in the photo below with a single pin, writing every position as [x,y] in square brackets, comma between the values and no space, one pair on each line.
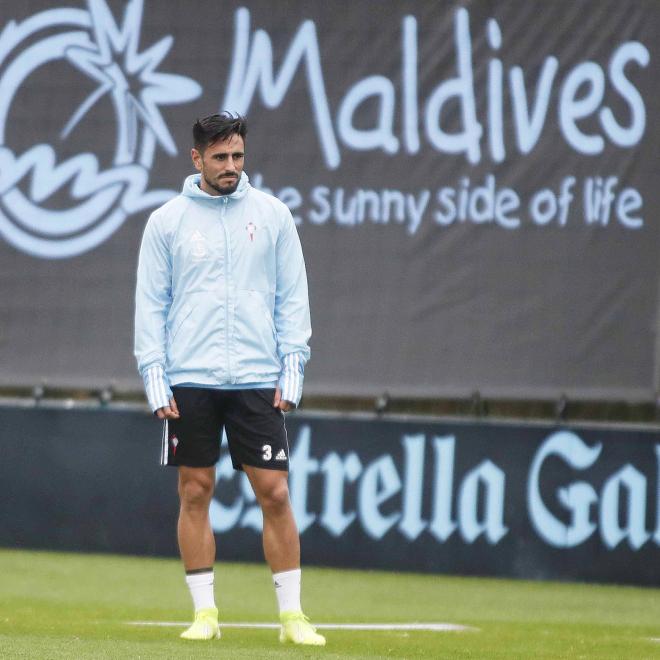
[275,499]
[195,490]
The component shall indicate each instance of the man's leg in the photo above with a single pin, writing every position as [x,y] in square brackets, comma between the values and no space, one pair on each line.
[280,535]
[196,540]
[197,547]
[282,551]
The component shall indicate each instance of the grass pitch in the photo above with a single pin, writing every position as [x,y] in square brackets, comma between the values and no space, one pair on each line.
[56,605]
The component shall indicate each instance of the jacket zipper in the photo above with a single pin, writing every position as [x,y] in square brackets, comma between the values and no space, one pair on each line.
[224,228]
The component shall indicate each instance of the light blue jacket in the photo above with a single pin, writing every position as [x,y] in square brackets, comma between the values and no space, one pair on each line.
[221,296]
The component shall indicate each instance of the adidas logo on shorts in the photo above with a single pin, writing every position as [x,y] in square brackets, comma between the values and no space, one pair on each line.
[281,455]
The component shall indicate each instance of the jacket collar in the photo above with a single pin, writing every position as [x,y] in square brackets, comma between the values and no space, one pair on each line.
[191,188]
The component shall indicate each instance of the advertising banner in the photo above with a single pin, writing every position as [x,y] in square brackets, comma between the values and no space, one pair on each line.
[474,183]
[501,499]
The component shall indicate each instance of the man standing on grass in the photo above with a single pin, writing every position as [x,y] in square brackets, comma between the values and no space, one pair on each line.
[221,338]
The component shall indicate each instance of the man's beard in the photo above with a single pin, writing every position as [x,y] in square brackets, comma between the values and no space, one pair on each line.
[224,190]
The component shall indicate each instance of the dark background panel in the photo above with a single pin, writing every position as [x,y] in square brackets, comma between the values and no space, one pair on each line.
[85,481]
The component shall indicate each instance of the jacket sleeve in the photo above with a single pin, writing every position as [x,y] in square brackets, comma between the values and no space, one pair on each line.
[153,297]
[292,318]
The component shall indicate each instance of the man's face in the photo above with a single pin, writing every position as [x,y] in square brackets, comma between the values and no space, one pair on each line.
[221,165]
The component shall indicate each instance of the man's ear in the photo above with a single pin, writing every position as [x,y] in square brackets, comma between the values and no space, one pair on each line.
[196,159]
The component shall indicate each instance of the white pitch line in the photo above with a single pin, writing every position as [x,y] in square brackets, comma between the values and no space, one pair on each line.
[435,627]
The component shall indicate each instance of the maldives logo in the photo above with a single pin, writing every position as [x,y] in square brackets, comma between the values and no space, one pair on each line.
[91,41]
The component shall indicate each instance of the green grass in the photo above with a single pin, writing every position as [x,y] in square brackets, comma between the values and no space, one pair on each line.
[76,606]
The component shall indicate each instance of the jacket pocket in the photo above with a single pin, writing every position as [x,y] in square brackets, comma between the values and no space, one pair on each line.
[254,333]
[183,314]
[257,299]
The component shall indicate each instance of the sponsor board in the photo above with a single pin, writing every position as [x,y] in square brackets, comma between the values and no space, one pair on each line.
[467,498]
[489,189]
[521,500]
[108,50]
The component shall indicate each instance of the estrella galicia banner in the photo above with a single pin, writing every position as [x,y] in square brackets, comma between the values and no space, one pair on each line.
[474,183]
[473,499]
[529,501]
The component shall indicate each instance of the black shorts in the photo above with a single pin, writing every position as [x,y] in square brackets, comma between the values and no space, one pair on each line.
[255,429]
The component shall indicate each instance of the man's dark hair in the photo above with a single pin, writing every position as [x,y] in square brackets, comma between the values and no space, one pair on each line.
[222,126]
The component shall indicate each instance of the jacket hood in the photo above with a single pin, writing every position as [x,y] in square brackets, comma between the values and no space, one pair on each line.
[191,188]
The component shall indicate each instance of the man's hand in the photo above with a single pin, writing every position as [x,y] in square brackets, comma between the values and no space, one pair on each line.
[168,412]
[279,402]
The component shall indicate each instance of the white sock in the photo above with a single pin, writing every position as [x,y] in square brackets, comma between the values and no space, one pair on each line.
[201,589]
[287,590]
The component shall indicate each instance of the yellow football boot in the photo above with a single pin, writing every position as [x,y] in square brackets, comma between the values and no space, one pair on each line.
[205,626]
[296,628]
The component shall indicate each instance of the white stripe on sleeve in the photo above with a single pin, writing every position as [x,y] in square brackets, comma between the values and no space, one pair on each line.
[291,379]
[156,387]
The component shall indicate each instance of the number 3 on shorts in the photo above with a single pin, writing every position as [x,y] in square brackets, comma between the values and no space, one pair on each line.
[267,452]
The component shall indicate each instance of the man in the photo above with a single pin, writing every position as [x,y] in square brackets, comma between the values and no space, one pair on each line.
[221,338]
